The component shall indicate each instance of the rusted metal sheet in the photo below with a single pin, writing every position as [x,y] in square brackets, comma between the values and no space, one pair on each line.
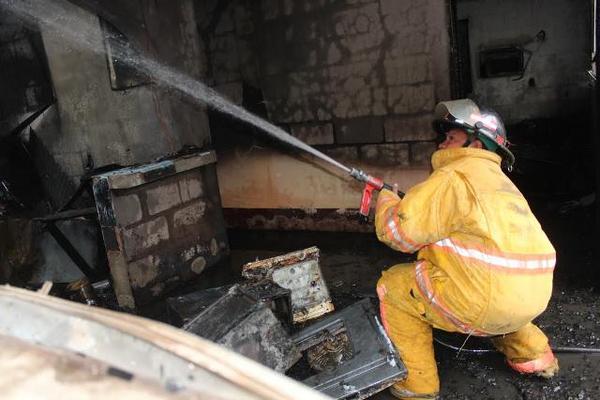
[299,272]
[162,225]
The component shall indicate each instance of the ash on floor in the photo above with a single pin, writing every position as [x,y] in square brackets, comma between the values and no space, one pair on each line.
[351,265]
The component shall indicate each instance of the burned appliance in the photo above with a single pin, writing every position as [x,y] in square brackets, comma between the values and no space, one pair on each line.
[182,309]
[299,272]
[346,355]
[351,354]
[241,318]
[162,225]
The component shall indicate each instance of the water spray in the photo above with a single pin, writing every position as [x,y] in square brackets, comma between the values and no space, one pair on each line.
[56,16]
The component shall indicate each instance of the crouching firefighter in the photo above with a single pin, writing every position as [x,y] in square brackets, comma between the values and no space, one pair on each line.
[484,265]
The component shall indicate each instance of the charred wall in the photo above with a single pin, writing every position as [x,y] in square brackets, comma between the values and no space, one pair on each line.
[356,79]
[25,84]
[25,88]
[95,124]
[360,76]
[101,118]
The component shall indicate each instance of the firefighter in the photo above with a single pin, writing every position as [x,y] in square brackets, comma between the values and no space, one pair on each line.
[484,264]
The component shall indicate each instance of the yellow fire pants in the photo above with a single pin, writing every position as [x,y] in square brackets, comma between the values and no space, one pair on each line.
[408,320]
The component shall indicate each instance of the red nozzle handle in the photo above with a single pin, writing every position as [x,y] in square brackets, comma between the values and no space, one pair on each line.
[365,202]
[367,195]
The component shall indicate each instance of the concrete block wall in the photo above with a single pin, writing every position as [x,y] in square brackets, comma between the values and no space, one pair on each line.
[162,225]
[336,73]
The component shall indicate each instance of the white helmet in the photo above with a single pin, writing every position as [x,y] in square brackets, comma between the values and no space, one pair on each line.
[484,125]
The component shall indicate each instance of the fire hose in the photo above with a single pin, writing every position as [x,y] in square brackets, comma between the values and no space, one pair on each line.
[556,349]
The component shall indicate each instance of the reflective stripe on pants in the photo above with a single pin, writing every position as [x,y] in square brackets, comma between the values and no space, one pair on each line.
[408,319]
[526,350]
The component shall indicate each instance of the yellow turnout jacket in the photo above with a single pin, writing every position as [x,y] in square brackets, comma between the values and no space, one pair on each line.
[484,262]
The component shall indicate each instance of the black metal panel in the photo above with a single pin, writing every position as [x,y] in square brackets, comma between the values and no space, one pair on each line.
[103,197]
[465,78]
[248,327]
[157,173]
[374,364]
[500,62]
[222,316]
[110,238]
[182,309]
[71,251]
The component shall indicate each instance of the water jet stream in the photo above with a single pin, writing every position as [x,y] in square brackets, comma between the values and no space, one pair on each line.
[57,16]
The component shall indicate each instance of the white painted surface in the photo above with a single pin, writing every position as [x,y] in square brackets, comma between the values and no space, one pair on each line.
[265,178]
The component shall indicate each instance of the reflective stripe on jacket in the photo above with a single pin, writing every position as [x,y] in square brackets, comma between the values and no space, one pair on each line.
[484,261]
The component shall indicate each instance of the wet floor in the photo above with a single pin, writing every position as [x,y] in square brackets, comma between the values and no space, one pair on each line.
[352,263]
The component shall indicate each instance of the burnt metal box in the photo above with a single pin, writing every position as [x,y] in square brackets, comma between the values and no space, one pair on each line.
[299,272]
[162,224]
[350,353]
[248,326]
[181,309]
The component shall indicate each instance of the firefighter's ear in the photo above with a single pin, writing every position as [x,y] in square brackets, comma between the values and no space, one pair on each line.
[476,144]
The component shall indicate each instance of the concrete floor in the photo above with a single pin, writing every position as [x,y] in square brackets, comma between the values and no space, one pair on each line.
[351,264]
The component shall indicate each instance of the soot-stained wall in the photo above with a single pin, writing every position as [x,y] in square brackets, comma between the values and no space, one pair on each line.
[25,85]
[357,79]
[93,125]
[336,72]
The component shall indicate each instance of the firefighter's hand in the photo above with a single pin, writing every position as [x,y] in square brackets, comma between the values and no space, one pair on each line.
[395,190]
[387,196]
[391,194]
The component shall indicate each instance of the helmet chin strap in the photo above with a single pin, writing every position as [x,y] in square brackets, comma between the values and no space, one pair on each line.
[470,139]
